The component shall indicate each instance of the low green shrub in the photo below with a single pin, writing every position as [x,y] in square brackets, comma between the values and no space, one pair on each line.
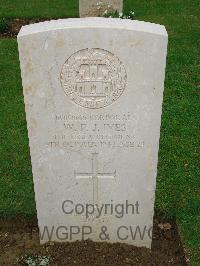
[125,15]
[4,25]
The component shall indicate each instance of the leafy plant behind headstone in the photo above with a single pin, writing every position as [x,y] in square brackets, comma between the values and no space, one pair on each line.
[4,25]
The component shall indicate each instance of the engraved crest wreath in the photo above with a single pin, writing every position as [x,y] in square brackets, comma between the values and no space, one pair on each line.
[93,78]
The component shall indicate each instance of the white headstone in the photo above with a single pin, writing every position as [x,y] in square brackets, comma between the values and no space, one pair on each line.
[95,8]
[93,92]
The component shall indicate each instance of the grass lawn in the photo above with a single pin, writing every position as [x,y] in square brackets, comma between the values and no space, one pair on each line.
[39,8]
[178,186]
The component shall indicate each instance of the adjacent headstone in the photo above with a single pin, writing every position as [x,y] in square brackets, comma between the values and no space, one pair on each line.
[95,8]
[93,92]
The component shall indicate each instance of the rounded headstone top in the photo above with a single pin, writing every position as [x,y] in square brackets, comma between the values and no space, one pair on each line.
[91,22]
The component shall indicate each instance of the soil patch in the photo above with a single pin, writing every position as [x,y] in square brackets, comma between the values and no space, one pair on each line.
[19,243]
[16,24]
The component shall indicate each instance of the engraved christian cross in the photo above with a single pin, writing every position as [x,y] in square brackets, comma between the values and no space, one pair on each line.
[95,175]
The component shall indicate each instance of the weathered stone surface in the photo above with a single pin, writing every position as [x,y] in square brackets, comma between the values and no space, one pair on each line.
[93,92]
[95,8]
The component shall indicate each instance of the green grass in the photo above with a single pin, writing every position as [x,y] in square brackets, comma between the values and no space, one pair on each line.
[178,186]
[16,188]
[38,8]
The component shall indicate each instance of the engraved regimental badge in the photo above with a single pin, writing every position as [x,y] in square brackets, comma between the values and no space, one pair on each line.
[93,78]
